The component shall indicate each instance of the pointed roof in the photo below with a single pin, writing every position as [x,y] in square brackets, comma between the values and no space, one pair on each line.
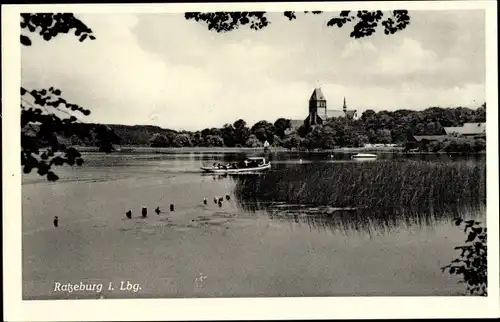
[345,105]
[317,95]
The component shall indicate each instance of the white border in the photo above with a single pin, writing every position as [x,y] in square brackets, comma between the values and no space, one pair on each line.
[237,308]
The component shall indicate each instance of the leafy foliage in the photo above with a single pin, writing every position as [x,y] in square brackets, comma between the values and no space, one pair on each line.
[471,265]
[264,131]
[281,125]
[42,110]
[228,21]
[35,137]
[455,145]
[365,22]
[49,25]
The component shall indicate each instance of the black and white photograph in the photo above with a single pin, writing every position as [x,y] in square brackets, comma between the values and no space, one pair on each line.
[252,151]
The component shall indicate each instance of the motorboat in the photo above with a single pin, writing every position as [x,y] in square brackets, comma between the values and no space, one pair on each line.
[249,165]
[364,156]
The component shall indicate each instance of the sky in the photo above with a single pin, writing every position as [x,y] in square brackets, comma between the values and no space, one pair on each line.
[161,69]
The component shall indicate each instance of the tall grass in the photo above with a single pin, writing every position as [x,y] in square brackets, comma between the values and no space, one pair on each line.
[384,187]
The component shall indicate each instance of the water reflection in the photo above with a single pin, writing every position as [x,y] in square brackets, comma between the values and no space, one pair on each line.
[216,176]
[344,221]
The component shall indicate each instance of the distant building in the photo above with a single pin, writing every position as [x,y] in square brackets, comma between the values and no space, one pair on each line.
[318,111]
[420,141]
[468,130]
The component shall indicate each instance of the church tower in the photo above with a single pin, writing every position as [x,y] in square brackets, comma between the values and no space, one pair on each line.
[349,114]
[317,107]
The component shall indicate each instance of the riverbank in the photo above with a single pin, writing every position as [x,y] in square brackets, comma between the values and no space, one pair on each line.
[181,150]
[147,149]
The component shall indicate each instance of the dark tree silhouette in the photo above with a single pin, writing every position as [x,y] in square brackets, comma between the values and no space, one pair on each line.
[365,22]
[281,125]
[49,25]
[472,264]
[42,124]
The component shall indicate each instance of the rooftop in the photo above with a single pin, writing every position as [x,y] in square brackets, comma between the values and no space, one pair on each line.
[333,113]
[317,95]
[431,137]
[467,129]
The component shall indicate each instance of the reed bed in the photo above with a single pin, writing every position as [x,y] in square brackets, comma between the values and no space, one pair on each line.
[384,187]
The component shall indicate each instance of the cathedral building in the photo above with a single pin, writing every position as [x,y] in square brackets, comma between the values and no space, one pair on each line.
[318,111]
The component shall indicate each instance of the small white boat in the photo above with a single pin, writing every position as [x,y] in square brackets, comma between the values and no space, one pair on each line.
[364,156]
[249,165]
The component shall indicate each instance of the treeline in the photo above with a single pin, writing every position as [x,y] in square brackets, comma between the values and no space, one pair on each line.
[455,145]
[382,127]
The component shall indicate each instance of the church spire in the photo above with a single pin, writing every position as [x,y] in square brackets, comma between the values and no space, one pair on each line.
[345,105]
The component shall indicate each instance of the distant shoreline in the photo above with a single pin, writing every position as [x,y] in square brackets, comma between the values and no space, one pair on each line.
[146,149]
[236,149]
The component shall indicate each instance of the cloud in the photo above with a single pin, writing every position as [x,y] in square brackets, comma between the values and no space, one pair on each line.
[161,69]
[113,76]
[403,98]
[406,58]
[358,49]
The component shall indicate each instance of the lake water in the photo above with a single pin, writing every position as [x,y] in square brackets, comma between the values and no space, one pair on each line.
[245,248]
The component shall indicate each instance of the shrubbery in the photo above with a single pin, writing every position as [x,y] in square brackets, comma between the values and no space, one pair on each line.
[456,145]
[472,264]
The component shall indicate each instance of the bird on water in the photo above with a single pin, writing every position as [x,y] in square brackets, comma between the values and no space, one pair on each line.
[56,221]
[205,200]
[144,212]
[228,197]
[171,207]
[157,210]
[129,214]
[215,200]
